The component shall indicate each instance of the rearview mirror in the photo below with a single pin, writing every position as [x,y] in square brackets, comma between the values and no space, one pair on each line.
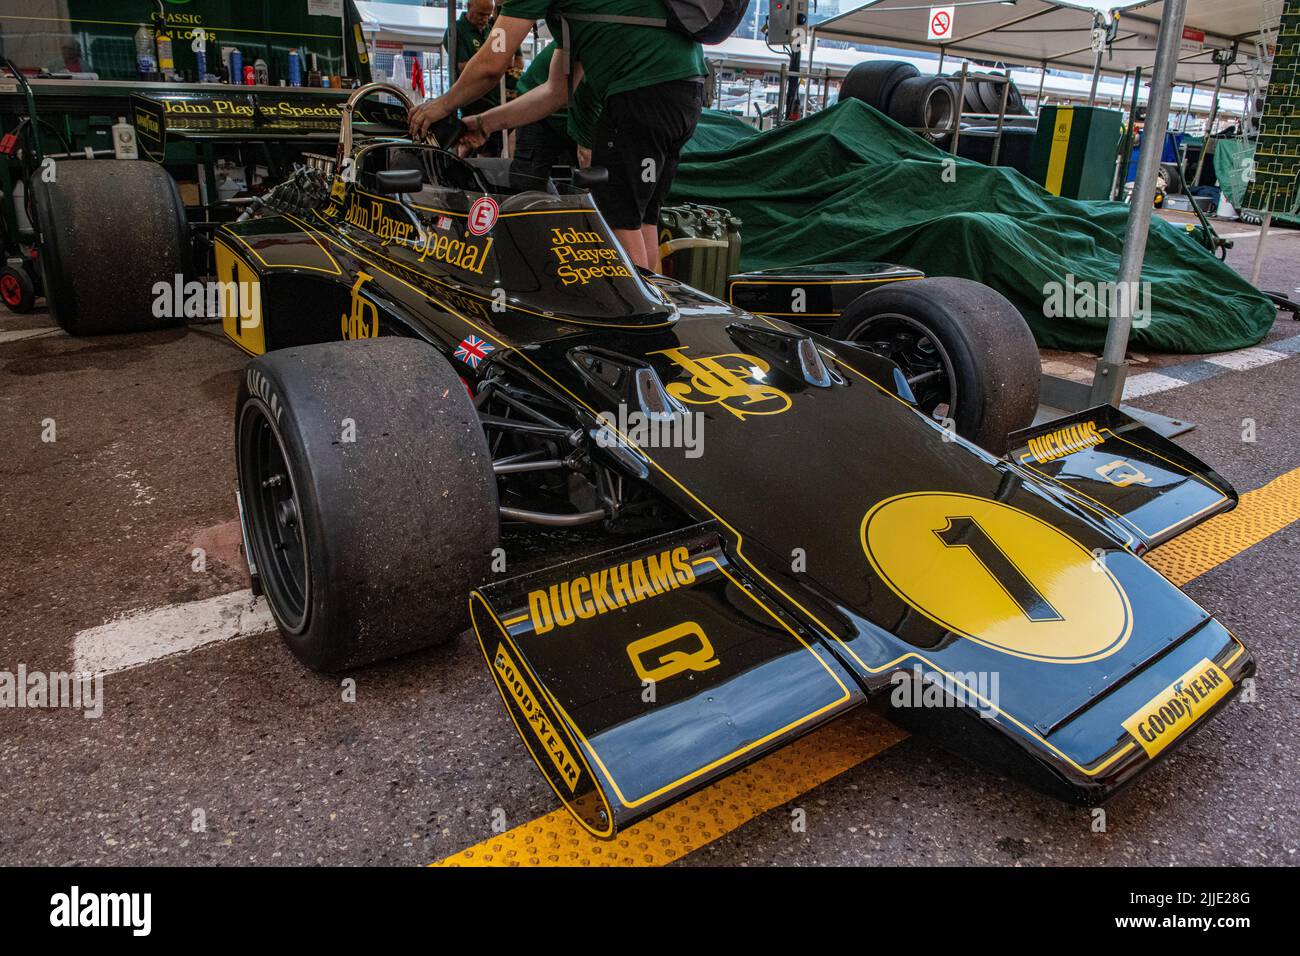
[390,182]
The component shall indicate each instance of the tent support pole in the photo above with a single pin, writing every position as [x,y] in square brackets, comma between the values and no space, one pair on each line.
[451,43]
[1187,113]
[1258,264]
[1108,381]
[1126,144]
[1206,142]
[1096,76]
[942,51]
[1042,78]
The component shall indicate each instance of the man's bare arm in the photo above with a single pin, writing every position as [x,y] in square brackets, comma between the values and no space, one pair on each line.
[538,103]
[480,75]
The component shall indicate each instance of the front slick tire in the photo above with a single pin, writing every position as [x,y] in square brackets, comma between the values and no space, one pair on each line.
[368,496]
[965,350]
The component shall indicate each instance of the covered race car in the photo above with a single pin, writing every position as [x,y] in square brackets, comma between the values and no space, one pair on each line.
[443,349]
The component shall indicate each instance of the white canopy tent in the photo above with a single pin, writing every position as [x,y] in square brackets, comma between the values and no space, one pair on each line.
[415,28]
[1172,41]
[1058,34]
[741,53]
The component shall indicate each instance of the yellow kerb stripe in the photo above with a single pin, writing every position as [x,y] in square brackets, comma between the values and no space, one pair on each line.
[556,839]
[1262,512]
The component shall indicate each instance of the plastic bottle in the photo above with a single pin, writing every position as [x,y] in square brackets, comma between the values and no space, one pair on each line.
[166,62]
[262,72]
[124,140]
[313,74]
[144,52]
[295,68]
[201,65]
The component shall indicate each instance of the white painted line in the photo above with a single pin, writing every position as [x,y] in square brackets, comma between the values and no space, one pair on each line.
[1238,235]
[140,637]
[17,335]
[1067,370]
[1148,383]
[1244,359]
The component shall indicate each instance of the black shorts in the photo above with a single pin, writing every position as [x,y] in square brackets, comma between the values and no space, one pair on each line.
[639,139]
[540,147]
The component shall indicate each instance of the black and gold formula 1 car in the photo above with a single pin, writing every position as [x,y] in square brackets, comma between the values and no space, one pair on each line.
[443,350]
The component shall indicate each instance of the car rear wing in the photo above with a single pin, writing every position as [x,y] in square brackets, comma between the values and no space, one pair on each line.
[1142,484]
[643,673]
[230,114]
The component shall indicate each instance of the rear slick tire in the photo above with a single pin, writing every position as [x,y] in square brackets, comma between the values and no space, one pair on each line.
[108,231]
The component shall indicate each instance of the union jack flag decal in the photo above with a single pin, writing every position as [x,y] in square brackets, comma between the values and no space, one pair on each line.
[473,350]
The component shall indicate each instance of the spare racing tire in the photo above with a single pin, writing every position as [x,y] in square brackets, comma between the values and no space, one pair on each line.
[108,230]
[1016,101]
[991,94]
[875,81]
[974,99]
[926,104]
[367,496]
[967,353]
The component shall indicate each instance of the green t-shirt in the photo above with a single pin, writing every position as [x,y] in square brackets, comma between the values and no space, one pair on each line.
[535,76]
[468,41]
[615,57]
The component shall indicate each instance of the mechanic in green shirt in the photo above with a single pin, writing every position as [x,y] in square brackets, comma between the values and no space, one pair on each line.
[472,28]
[637,92]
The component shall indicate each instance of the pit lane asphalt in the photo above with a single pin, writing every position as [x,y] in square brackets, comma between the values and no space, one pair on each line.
[103,520]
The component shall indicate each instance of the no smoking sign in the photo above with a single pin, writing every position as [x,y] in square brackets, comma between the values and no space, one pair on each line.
[941,19]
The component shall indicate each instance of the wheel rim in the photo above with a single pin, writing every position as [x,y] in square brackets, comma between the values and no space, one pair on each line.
[924,361]
[937,112]
[10,290]
[273,513]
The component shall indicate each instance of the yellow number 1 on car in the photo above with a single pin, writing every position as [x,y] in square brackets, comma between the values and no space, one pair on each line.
[997,576]
[966,532]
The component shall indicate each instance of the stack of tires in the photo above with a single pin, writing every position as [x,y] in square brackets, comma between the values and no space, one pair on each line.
[980,133]
[926,104]
[984,94]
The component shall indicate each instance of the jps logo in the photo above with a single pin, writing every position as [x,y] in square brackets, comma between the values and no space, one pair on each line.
[690,651]
[733,381]
[1121,474]
[363,323]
